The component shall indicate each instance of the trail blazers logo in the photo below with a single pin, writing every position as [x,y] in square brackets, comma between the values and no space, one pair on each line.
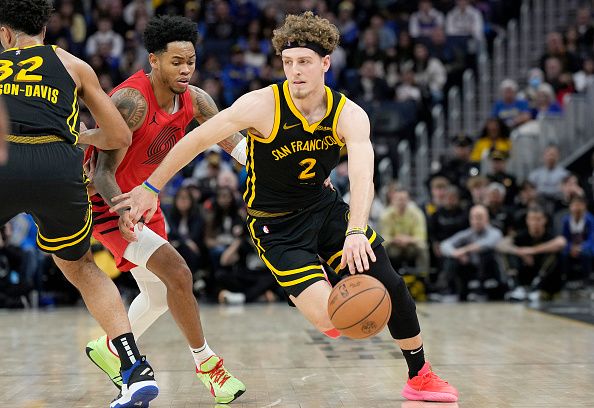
[162,144]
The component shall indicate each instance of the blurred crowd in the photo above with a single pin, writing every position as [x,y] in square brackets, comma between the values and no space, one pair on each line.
[481,235]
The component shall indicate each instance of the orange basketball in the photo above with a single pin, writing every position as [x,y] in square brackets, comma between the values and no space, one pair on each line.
[359,306]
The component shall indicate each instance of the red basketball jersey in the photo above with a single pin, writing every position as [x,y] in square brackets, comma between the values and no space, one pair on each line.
[159,132]
[157,135]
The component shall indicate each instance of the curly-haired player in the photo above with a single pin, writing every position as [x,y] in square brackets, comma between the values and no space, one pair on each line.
[296,130]
[41,85]
[157,108]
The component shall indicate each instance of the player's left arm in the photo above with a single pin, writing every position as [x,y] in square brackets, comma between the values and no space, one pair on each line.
[204,109]
[354,129]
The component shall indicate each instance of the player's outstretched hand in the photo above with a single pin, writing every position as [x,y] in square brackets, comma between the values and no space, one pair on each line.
[141,202]
[356,253]
[124,225]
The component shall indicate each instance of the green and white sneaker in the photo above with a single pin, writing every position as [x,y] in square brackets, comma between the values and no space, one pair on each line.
[99,353]
[221,383]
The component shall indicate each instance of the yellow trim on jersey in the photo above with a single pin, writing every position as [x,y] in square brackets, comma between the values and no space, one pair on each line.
[24,48]
[333,257]
[34,139]
[276,272]
[335,121]
[252,179]
[275,126]
[54,47]
[256,239]
[88,222]
[83,234]
[74,117]
[289,271]
[297,281]
[306,126]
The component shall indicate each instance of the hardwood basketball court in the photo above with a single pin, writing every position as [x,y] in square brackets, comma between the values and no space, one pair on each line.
[498,355]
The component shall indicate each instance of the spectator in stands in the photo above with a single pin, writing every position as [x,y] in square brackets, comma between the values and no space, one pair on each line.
[447,220]
[555,47]
[560,208]
[369,87]
[423,22]
[477,187]
[106,37]
[430,73]
[470,258]
[553,70]
[221,217]
[243,277]
[548,177]
[534,80]
[23,236]
[495,136]
[585,77]
[75,23]
[236,76]
[511,109]
[459,168]
[385,34]
[368,49]
[499,214]
[12,279]
[533,260]
[578,230]
[207,171]
[453,58]
[500,175]
[407,89]
[438,186]
[465,20]
[349,32]
[585,29]
[186,228]
[545,103]
[404,229]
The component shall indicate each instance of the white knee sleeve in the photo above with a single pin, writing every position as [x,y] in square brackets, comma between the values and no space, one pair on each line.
[151,303]
[139,252]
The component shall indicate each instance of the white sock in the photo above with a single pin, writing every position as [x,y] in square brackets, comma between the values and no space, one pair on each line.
[201,354]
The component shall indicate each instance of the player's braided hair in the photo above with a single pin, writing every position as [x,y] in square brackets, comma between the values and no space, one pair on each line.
[306,28]
[162,30]
[27,16]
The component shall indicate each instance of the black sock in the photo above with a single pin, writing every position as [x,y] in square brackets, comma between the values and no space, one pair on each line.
[415,359]
[127,350]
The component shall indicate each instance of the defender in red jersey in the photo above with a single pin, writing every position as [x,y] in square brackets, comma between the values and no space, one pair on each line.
[157,107]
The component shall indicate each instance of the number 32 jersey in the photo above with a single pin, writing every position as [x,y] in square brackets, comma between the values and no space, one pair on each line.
[39,93]
[286,171]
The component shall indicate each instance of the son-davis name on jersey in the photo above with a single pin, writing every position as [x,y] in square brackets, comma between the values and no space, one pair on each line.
[323,143]
[31,91]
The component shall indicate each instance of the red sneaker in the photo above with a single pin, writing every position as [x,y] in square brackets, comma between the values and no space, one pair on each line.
[427,386]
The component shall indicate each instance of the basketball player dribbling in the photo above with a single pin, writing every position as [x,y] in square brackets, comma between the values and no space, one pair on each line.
[157,108]
[44,176]
[296,130]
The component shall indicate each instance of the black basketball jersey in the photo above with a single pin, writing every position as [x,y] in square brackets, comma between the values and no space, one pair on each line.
[286,171]
[39,93]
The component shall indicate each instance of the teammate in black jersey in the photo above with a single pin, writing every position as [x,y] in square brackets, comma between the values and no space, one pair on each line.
[44,174]
[3,132]
[295,133]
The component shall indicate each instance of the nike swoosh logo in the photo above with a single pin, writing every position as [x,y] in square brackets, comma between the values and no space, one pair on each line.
[289,127]
[416,351]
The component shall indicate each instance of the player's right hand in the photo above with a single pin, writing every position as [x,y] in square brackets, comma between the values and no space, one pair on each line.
[127,232]
[142,204]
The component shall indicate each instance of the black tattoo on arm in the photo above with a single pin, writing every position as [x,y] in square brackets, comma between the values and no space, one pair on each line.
[132,106]
[105,170]
[204,109]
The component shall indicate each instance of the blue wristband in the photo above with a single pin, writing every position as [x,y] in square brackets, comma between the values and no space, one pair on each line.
[150,187]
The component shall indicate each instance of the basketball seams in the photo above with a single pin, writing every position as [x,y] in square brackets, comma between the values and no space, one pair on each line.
[366,316]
